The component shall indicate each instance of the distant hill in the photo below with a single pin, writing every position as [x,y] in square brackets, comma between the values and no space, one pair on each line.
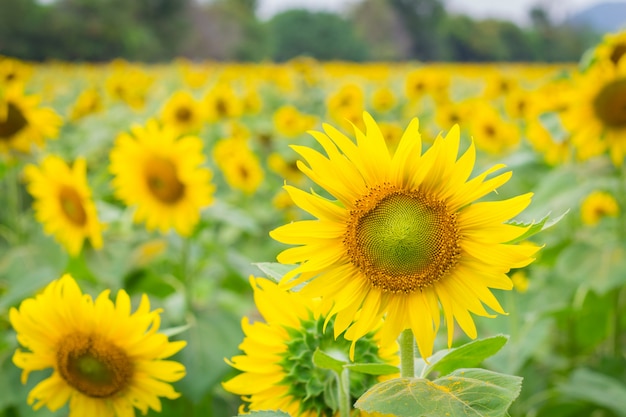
[602,18]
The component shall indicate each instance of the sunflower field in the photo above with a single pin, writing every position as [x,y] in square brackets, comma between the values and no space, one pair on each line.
[313,238]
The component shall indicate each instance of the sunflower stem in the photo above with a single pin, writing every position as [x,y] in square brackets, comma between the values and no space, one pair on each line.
[343,386]
[185,276]
[407,354]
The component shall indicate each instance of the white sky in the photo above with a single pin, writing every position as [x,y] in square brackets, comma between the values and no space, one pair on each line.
[515,10]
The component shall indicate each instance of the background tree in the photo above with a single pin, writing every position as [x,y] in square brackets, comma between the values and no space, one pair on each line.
[320,35]
[382,28]
[423,19]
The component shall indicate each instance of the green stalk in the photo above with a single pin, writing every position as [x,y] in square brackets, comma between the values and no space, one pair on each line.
[407,354]
[343,387]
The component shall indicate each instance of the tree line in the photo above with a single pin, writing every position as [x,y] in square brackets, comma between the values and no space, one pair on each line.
[381,30]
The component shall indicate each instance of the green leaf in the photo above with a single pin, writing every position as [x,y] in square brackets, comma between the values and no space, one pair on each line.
[597,388]
[373,368]
[213,336]
[534,228]
[265,414]
[463,393]
[274,270]
[469,355]
[325,361]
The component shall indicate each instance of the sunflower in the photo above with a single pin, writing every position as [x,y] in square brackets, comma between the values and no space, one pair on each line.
[290,122]
[160,175]
[240,166]
[22,122]
[612,48]
[491,133]
[596,117]
[182,112]
[88,102]
[13,70]
[63,202]
[276,364]
[105,360]
[221,103]
[383,99]
[403,236]
[597,205]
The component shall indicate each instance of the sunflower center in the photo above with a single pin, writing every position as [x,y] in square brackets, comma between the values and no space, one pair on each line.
[92,365]
[183,114]
[402,240]
[72,206]
[618,51]
[14,122]
[162,180]
[610,104]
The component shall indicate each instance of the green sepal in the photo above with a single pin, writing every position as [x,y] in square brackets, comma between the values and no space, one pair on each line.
[535,227]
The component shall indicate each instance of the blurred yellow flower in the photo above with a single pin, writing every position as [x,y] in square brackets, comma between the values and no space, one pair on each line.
[88,102]
[239,165]
[596,117]
[596,206]
[129,84]
[161,176]
[63,202]
[290,122]
[23,124]
[182,112]
[383,99]
[612,48]
[105,360]
[221,102]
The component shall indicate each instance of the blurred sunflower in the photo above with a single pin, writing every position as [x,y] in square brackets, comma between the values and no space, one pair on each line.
[13,70]
[596,117]
[239,165]
[277,361]
[22,122]
[129,84]
[161,176]
[63,202]
[383,99]
[491,132]
[221,103]
[290,122]
[183,112]
[404,235]
[88,102]
[612,48]
[105,360]
[597,205]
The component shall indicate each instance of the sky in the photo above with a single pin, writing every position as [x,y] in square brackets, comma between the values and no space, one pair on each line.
[515,10]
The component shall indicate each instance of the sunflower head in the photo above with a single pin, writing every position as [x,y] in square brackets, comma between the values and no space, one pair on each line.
[402,234]
[278,371]
[160,175]
[596,206]
[63,202]
[105,359]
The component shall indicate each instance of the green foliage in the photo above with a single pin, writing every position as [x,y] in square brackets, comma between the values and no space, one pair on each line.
[468,355]
[266,414]
[320,35]
[462,393]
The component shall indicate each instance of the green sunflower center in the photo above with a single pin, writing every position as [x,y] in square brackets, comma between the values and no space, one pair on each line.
[72,206]
[316,388]
[402,240]
[618,51]
[610,104]
[162,180]
[14,122]
[93,366]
